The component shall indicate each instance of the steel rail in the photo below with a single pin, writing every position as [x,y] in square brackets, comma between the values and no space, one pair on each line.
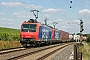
[52,52]
[25,55]
[5,51]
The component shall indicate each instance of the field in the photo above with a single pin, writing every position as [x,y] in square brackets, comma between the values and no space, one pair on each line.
[9,38]
[85,49]
[9,34]
[9,30]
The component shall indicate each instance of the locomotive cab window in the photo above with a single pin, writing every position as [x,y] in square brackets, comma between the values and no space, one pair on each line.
[32,27]
[28,27]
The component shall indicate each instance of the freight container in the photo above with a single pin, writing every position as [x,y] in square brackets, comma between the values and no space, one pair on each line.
[64,36]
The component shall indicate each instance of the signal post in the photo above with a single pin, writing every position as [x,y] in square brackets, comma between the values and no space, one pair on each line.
[78,55]
[81,29]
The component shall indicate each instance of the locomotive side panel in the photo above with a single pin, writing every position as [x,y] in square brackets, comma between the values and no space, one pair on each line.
[53,34]
[57,34]
[45,33]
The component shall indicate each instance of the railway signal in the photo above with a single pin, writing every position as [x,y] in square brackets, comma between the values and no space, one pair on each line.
[81,26]
[81,29]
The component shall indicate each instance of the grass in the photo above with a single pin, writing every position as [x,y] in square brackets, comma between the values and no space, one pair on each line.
[9,44]
[85,49]
[9,38]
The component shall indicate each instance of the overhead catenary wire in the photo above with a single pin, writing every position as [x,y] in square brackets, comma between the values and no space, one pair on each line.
[43,15]
[65,15]
[71,9]
[32,7]
[28,10]
[73,12]
[61,6]
[59,9]
[35,4]
[27,4]
[21,6]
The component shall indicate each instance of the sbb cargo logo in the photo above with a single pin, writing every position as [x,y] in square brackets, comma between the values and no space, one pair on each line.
[45,33]
[56,35]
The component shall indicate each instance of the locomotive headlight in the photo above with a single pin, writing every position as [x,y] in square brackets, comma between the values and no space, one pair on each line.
[22,36]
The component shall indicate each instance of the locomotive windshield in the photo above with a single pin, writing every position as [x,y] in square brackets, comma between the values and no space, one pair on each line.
[28,27]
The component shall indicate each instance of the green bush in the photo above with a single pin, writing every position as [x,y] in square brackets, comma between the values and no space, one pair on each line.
[88,40]
[9,37]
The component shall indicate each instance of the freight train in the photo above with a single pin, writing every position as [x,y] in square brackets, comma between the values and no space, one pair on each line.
[35,33]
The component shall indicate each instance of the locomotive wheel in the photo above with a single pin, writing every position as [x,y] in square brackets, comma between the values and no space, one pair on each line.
[37,45]
[25,45]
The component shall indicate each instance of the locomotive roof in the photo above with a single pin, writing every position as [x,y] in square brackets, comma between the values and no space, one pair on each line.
[31,21]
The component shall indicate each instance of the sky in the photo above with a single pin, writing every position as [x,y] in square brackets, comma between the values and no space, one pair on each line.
[14,12]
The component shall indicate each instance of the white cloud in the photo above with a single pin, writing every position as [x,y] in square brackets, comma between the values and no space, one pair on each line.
[53,13]
[84,13]
[47,15]
[61,24]
[65,26]
[52,10]
[33,6]
[77,21]
[8,4]
[23,14]
[6,21]
[2,13]
[11,3]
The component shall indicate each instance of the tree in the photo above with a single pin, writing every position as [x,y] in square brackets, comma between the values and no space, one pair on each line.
[88,39]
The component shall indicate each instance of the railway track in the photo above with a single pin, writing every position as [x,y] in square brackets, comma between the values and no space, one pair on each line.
[7,53]
[50,53]
[40,53]
[4,51]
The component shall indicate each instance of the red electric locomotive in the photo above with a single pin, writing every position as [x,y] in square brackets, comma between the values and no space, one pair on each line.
[35,33]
